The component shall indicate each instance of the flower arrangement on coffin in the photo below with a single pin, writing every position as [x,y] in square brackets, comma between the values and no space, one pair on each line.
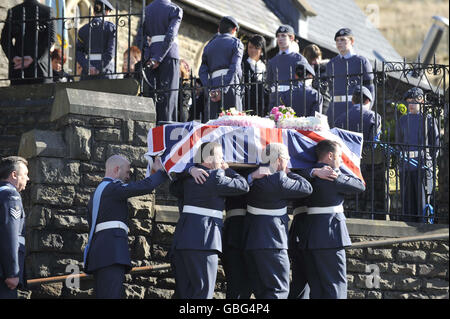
[279,113]
[234,117]
[284,117]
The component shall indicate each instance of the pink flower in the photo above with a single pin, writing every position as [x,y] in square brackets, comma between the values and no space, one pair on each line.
[274,110]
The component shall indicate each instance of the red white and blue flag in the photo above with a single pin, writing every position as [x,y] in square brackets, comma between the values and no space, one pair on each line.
[177,144]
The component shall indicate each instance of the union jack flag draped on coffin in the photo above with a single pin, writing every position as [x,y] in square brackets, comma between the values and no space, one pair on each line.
[177,144]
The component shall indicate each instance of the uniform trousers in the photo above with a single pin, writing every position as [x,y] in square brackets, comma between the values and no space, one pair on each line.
[238,286]
[413,194]
[167,78]
[108,282]
[195,273]
[299,288]
[5,292]
[268,270]
[326,272]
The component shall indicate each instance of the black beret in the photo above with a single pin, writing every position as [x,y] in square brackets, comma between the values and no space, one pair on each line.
[230,19]
[285,28]
[365,92]
[106,3]
[344,32]
[413,93]
[302,65]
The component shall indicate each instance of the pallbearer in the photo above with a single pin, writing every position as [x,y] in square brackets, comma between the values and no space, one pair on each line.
[325,233]
[107,255]
[198,236]
[266,225]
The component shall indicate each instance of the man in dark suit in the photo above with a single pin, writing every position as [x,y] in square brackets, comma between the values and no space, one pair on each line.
[28,55]
[13,179]
[107,255]
[221,69]
[162,21]
[198,236]
[95,48]
[324,234]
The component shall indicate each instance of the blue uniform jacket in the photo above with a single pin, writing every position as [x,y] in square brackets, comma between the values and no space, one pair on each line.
[282,68]
[12,225]
[103,39]
[201,232]
[371,123]
[223,51]
[110,246]
[328,230]
[337,66]
[272,192]
[314,100]
[411,130]
[162,17]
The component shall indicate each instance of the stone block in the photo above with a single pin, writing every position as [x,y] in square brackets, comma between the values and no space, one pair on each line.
[70,223]
[408,284]
[46,241]
[158,293]
[355,265]
[379,254]
[83,102]
[140,227]
[108,135]
[134,291]
[439,258]
[355,253]
[134,154]
[141,248]
[78,141]
[356,294]
[436,286]
[374,295]
[53,195]
[92,179]
[53,290]
[411,256]
[42,143]
[128,131]
[163,234]
[54,171]
[98,152]
[429,270]
[403,269]
[141,130]
[39,218]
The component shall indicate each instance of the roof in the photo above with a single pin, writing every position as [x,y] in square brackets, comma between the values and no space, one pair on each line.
[252,15]
[334,15]
[256,16]
[330,16]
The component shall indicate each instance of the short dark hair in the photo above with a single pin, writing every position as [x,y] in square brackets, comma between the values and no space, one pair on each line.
[326,146]
[226,26]
[209,148]
[57,54]
[10,164]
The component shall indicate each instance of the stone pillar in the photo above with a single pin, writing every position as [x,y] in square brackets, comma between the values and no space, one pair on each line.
[66,165]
